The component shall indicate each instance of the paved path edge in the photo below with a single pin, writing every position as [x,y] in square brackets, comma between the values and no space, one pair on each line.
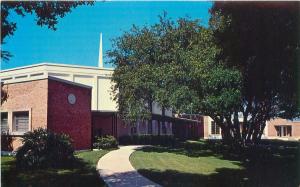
[105,178]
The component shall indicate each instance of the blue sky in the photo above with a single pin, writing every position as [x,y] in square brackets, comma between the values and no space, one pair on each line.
[76,40]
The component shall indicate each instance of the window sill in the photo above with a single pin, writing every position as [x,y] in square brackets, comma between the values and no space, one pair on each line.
[17,133]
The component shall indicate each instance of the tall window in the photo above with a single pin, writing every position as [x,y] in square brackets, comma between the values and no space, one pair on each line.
[215,129]
[284,130]
[133,130]
[164,128]
[20,121]
[4,124]
[150,127]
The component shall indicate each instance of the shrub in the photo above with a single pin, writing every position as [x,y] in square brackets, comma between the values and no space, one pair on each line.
[105,142]
[42,148]
[165,140]
[6,141]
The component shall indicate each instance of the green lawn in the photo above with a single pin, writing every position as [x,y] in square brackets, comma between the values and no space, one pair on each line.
[199,163]
[83,173]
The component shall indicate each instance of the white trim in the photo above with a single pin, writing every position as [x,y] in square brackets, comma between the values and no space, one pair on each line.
[13,81]
[49,78]
[69,82]
[185,119]
[114,111]
[57,65]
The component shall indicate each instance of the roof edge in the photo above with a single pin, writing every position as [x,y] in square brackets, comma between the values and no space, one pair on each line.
[58,65]
[49,78]
[69,82]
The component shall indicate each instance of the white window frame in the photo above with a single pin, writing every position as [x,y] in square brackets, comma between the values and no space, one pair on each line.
[7,120]
[281,128]
[216,126]
[13,121]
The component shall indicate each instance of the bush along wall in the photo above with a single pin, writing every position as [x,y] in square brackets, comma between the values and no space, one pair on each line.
[105,142]
[42,148]
[6,141]
[164,140]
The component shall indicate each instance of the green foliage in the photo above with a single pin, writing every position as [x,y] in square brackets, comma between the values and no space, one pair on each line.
[42,148]
[105,142]
[6,142]
[81,173]
[173,64]
[165,140]
[262,41]
[4,94]
[246,62]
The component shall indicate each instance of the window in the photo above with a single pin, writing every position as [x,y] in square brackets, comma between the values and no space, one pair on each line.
[284,130]
[215,129]
[99,132]
[133,130]
[4,124]
[149,127]
[164,128]
[20,121]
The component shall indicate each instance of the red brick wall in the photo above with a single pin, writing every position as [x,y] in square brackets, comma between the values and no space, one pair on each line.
[279,121]
[27,96]
[72,119]
[102,124]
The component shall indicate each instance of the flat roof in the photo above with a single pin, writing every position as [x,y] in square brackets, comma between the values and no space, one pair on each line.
[50,78]
[69,82]
[57,65]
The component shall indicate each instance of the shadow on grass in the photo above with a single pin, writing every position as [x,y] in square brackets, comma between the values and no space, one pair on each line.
[79,174]
[269,164]
[174,178]
[180,150]
[255,176]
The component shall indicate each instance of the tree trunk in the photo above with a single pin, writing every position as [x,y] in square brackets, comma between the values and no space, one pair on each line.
[263,125]
[226,135]
[237,127]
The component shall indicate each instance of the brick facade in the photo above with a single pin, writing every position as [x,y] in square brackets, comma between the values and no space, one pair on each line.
[26,96]
[108,123]
[102,123]
[72,119]
[272,132]
[46,102]
[29,96]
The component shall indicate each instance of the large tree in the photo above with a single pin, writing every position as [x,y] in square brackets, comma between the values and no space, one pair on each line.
[46,12]
[246,63]
[262,40]
[173,64]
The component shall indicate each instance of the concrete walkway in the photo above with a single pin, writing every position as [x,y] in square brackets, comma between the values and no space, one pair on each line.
[117,171]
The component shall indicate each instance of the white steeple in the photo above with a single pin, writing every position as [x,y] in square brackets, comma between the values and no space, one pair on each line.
[100,59]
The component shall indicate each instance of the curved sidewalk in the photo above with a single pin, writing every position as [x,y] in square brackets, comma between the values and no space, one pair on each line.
[117,171]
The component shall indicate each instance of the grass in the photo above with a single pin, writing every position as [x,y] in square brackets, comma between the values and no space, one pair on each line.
[203,163]
[83,173]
